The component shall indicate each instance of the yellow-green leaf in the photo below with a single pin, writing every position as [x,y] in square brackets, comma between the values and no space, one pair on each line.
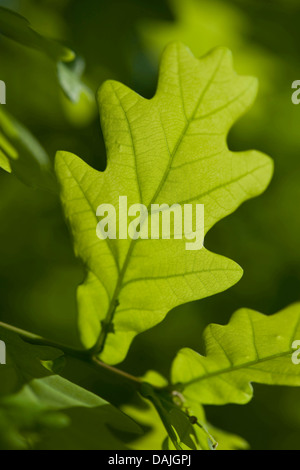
[251,348]
[171,149]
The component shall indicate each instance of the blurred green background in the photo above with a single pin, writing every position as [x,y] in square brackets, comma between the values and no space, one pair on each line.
[123,40]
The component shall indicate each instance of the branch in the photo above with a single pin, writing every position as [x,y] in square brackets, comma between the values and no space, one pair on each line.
[84,355]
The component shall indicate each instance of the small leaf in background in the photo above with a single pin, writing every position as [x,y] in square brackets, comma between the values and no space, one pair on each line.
[6,152]
[185,423]
[24,362]
[70,79]
[17,28]
[23,155]
[168,150]
[251,348]
[197,25]
[69,68]
[78,100]
[180,414]
[23,417]
[154,378]
[206,433]
[181,434]
[34,402]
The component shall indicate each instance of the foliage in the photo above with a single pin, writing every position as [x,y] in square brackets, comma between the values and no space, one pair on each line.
[55,394]
[250,349]
[18,29]
[131,286]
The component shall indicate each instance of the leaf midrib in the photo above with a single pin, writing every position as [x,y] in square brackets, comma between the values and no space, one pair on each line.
[236,368]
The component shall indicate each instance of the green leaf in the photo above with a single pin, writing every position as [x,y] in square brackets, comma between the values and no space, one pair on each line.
[184,422]
[17,28]
[69,68]
[4,161]
[24,362]
[197,25]
[144,413]
[155,379]
[23,155]
[70,80]
[209,435]
[180,415]
[36,404]
[22,417]
[54,413]
[251,348]
[170,149]
[181,433]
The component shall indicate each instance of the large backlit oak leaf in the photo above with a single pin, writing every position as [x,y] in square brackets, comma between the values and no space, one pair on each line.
[170,149]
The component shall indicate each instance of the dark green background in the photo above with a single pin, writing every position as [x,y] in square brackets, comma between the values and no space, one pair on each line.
[122,39]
